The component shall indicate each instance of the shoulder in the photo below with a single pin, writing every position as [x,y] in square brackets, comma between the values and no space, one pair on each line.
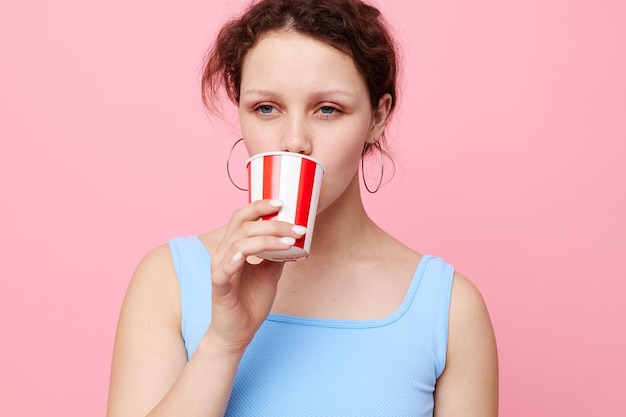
[156,266]
[469,318]
[149,352]
[466,302]
[155,259]
[154,287]
[469,383]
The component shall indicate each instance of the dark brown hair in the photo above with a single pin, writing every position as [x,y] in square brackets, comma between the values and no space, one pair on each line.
[351,26]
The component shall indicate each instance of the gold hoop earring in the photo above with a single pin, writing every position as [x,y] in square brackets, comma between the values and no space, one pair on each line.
[382,166]
[228,166]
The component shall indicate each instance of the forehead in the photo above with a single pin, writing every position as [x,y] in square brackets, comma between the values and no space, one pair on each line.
[294,60]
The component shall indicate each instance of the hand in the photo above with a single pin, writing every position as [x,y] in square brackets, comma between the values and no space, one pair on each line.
[243,293]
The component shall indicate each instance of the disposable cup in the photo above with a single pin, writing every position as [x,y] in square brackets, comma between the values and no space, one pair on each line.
[296,180]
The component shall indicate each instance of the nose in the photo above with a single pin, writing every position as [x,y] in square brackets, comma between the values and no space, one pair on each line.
[296,136]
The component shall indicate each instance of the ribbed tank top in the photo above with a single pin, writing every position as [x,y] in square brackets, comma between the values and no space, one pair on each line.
[297,366]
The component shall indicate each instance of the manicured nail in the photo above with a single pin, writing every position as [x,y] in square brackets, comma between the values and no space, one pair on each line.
[287,240]
[276,203]
[299,230]
[237,257]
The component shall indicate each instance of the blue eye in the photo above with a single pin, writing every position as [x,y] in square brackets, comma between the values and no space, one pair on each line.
[328,110]
[265,108]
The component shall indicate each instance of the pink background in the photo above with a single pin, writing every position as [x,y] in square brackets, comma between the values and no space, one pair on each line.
[511,164]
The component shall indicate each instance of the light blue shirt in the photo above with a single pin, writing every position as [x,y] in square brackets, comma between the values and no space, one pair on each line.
[298,366]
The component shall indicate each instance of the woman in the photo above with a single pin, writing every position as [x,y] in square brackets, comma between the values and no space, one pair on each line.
[364,326]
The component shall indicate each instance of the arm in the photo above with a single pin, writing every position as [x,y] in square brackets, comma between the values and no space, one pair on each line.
[150,363]
[468,386]
[150,374]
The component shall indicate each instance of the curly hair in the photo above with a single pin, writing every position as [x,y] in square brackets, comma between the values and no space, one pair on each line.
[351,26]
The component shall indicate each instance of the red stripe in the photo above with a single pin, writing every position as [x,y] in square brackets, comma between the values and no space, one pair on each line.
[271,179]
[250,182]
[305,192]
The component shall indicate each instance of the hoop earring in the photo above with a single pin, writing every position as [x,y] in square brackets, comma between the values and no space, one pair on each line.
[382,166]
[228,166]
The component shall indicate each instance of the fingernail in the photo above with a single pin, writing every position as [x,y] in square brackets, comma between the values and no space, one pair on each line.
[287,240]
[299,230]
[237,257]
[276,203]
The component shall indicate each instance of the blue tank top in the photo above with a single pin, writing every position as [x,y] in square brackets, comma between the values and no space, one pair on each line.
[297,366]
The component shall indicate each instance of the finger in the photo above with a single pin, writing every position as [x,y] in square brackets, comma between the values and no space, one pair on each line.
[230,267]
[267,228]
[258,244]
[257,228]
[255,211]
[250,212]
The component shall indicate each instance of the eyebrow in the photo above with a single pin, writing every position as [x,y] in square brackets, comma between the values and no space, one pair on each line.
[258,92]
[317,94]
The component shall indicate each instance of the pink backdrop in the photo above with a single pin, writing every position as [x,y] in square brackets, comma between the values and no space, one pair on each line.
[511,164]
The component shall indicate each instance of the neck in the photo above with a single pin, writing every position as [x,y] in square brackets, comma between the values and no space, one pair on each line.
[343,229]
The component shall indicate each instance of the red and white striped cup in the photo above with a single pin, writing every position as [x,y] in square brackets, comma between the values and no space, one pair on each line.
[296,180]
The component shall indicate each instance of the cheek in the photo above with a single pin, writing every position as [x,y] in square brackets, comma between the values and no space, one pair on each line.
[344,152]
[253,137]
[257,140]
[341,166]
[261,136]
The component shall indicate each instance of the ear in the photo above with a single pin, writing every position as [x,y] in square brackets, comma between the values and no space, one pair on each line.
[380,115]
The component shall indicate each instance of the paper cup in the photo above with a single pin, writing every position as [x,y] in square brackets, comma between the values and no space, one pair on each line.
[294,179]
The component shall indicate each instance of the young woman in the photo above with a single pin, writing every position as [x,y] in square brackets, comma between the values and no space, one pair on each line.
[365,326]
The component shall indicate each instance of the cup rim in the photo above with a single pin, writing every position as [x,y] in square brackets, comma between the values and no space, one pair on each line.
[278,153]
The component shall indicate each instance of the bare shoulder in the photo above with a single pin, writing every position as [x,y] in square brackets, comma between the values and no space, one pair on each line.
[149,352]
[469,383]
[155,261]
[152,303]
[154,282]
[467,303]
[470,328]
